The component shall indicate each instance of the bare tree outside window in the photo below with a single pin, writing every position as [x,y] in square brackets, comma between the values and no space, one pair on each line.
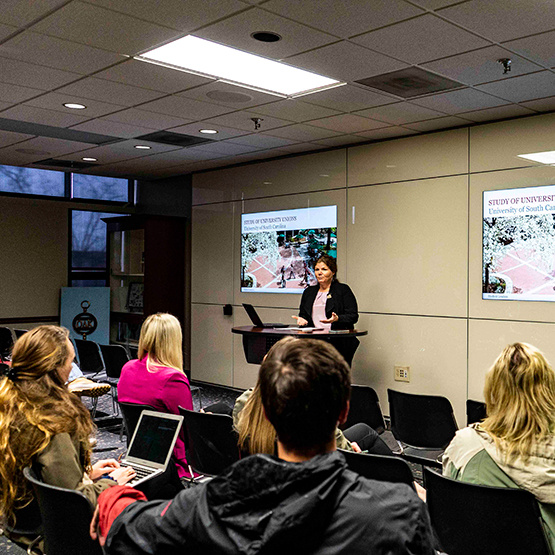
[31,181]
[101,188]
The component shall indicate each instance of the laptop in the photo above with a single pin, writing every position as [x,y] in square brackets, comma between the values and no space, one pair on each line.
[256,321]
[152,444]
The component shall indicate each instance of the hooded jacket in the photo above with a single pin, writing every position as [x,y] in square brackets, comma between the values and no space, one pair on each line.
[264,505]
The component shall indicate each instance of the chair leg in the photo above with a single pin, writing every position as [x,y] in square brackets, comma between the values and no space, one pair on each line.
[94,404]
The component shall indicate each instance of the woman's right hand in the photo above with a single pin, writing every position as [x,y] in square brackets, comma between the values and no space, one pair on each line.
[122,475]
[300,321]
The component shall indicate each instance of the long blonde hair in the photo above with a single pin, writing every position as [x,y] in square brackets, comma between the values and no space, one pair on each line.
[520,400]
[35,405]
[256,434]
[161,340]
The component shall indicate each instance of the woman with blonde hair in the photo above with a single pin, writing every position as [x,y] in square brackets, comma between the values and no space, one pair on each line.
[515,445]
[156,378]
[45,426]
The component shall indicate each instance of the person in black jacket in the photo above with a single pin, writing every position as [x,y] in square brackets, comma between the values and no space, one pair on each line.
[330,305]
[305,500]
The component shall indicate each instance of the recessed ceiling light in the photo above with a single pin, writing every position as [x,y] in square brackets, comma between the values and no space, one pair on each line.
[266,36]
[143,147]
[208,131]
[266,183]
[324,175]
[207,58]
[547,157]
[86,159]
[74,106]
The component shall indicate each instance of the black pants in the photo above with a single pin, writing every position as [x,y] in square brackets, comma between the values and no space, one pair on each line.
[367,439]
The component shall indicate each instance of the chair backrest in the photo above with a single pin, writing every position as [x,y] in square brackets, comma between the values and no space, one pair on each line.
[66,516]
[115,356]
[379,467]
[424,421]
[6,342]
[365,407]
[28,521]
[470,519]
[90,359]
[19,333]
[475,411]
[211,441]
[131,413]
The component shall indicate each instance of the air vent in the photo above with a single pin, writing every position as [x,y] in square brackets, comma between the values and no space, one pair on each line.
[67,164]
[410,82]
[175,139]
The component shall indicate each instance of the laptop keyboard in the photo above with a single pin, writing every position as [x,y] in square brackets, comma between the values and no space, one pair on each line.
[141,472]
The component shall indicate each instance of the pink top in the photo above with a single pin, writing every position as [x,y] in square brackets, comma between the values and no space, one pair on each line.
[163,389]
[319,310]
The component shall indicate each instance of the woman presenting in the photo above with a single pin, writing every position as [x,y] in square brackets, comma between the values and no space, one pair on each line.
[330,305]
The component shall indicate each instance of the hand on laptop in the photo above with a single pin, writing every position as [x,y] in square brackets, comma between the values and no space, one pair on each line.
[104,466]
[300,321]
[123,475]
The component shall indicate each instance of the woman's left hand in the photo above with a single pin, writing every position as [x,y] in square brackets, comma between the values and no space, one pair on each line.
[334,318]
[102,467]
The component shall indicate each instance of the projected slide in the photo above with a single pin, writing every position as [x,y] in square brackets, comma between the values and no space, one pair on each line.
[279,249]
[519,244]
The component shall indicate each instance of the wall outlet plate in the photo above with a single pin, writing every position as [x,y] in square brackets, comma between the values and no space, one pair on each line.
[402,373]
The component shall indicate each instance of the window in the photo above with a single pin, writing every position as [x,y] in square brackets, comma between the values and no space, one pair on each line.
[101,188]
[32,181]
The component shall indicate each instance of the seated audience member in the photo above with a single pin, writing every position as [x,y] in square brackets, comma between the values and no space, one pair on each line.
[44,426]
[156,378]
[305,500]
[514,446]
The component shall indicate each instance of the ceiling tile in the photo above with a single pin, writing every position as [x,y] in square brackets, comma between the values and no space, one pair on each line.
[56,101]
[302,132]
[23,13]
[57,53]
[101,89]
[261,141]
[55,147]
[184,108]
[227,148]
[9,138]
[501,21]
[345,61]
[226,94]
[15,93]
[400,113]
[32,75]
[439,123]
[6,30]
[434,4]
[31,114]
[342,140]
[236,31]
[386,133]
[184,15]
[542,105]
[73,22]
[194,130]
[481,66]
[463,100]
[301,147]
[345,18]
[134,116]
[424,38]
[348,98]
[502,112]
[526,87]
[5,105]
[348,123]
[242,120]
[538,48]
[112,128]
[295,110]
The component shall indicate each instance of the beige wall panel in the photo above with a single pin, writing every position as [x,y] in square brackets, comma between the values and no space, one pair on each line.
[407,251]
[503,310]
[34,247]
[312,172]
[436,154]
[433,348]
[487,338]
[497,145]
[213,241]
[328,198]
[211,345]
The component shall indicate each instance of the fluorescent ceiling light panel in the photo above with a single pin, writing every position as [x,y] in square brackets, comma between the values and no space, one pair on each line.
[214,60]
[541,157]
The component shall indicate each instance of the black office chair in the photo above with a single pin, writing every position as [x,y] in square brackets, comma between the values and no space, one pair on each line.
[115,356]
[6,343]
[423,426]
[19,333]
[475,411]
[131,413]
[28,523]
[66,516]
[470,519]
[379,467]
[90,359]
[365,407]
[211,441]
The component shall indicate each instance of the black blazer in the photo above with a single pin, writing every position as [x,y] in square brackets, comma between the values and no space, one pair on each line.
[340,300]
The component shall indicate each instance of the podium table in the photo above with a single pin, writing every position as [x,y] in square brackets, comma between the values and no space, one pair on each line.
[258,341]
